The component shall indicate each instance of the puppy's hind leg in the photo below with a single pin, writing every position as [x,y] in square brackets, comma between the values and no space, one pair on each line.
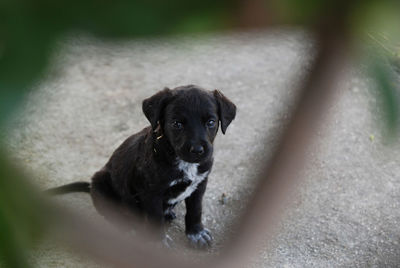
[108,203]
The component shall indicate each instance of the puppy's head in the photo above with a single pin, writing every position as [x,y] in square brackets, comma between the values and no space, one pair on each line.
[189,118]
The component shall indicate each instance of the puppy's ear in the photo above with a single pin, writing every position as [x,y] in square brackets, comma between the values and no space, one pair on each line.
[153,107]
[226,110]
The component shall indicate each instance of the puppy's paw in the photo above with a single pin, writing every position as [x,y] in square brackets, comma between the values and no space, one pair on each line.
[201,239]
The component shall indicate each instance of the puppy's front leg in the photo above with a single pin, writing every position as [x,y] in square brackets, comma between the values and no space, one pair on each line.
[199,236]
[155,214]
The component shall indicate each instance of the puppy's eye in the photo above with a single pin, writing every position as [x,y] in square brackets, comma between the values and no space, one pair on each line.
[211,123]
[177,125]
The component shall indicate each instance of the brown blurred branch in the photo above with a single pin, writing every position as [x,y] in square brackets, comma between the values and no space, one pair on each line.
[112,247]
[283,172]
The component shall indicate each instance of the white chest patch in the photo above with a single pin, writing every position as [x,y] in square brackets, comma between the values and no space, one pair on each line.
[190,173]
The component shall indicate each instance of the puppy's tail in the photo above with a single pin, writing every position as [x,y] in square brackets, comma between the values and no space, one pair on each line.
[81,186]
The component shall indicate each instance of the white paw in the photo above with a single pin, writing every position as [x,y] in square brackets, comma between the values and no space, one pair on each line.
[201,239]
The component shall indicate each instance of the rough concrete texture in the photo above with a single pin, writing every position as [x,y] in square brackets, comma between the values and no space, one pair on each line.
[346,211]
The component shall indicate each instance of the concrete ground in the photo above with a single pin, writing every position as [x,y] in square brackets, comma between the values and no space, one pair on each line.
[347,209]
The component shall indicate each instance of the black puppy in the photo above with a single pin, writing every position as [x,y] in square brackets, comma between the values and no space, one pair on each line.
[165,163]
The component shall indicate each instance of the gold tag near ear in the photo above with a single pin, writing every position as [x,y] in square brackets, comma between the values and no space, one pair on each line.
[158,129]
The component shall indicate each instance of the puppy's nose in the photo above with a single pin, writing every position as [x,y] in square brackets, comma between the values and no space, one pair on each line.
[197,149]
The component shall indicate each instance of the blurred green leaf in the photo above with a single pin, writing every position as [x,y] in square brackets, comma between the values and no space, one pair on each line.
[303,11]
[21,216]
[12,254]
[387,87]
[379,20]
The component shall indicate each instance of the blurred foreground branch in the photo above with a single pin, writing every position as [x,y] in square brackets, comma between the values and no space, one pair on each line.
[282,174]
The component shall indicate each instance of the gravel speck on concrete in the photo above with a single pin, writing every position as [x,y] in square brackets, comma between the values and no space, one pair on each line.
[346,210]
